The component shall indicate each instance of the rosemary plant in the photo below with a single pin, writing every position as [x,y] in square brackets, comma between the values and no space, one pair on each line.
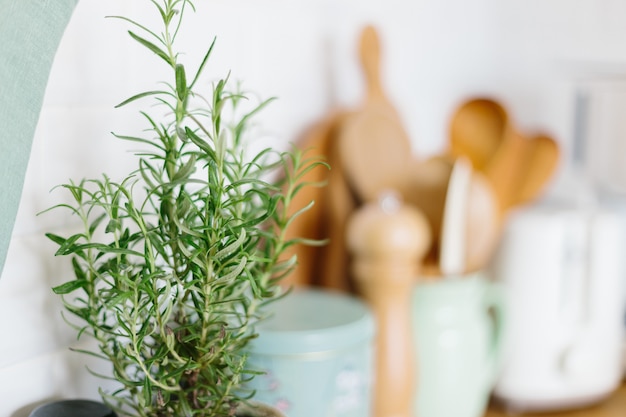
[175,260]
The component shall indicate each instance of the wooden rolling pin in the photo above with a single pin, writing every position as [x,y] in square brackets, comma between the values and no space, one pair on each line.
[388,240]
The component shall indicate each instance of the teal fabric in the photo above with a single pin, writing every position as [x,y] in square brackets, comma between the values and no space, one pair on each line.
[30,31]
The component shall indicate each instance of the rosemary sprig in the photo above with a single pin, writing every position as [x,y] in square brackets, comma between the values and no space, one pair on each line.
[175,259]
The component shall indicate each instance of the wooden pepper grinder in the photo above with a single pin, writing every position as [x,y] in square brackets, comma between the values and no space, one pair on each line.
[388,240]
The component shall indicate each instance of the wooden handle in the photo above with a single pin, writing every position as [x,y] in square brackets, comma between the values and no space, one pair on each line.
[370,61]
[388,240]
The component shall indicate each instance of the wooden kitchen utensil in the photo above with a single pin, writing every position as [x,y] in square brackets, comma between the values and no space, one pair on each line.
[374,146]
[521,168]
[427,188]
[339,203]
[477,130]
[484,223]
[388,240]
[542,158]
[452,256]
[517,167]
[327,265]
[507,168]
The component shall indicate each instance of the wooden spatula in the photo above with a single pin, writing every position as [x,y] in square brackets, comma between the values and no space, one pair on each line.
[452,255]
[521,168]
[429,182]
[542,158]
[506,169]
[374,147]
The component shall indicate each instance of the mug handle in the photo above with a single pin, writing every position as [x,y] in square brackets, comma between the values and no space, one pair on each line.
[494,304]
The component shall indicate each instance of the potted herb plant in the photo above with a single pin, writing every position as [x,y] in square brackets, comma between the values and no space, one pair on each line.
[175,260]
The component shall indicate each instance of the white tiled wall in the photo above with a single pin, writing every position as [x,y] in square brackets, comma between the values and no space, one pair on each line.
[528,53]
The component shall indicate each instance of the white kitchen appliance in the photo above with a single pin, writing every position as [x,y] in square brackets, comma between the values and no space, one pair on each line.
[561,269]
[561,263]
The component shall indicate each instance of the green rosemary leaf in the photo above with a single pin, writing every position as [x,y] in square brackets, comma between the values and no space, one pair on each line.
[157,244]
[202,64]
[186,170]
[299,212]
[201,143]
[95,355]
[139,140]
[231,248]
[145,29]
[239,128]
[164,16]
[59,240]
[147,391]
[80,274]
[94,224]
[193,257]
[140,95]
[118,299]
[106,249]
[69,286]
[68,245]
[113,225]
[181,82]
[152,47]
[235,272]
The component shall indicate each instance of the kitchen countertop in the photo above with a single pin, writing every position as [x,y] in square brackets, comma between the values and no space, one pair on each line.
[614,406]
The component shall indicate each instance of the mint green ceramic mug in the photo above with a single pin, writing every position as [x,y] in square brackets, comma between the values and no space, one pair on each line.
[458,324]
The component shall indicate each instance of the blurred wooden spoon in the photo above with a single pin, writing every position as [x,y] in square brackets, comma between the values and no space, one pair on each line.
[477,130]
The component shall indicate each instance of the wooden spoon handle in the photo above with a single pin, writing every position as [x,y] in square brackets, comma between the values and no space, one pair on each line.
[370,61]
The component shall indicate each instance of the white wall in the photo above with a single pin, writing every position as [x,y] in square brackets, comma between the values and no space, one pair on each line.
[528,53]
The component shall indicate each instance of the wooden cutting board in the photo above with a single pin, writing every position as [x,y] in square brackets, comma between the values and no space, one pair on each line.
[374,148]
[325,265]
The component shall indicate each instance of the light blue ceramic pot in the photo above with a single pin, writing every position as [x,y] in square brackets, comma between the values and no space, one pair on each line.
[316,350]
